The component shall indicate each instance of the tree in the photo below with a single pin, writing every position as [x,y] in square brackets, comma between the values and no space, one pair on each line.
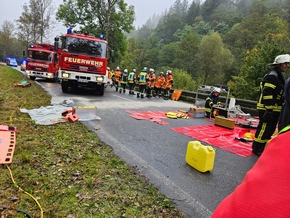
[172,21]
[111,17]
[6,38]
[185,55]
[252,30]
[183,80]
[35,21]
[213,59]
[246,84]
[226,13]
[192,13]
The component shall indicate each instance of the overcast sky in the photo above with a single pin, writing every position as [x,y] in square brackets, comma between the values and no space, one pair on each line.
[11,10]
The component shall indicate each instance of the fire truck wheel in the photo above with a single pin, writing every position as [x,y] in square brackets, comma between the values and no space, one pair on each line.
[64,88]
[101,90]
[32,77]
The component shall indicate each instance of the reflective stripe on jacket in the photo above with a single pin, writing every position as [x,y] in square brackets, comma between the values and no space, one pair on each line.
[271,90]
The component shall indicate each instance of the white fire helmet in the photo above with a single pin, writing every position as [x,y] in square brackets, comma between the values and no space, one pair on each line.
[125,71]
[216,89]
[281,59]
[118,68]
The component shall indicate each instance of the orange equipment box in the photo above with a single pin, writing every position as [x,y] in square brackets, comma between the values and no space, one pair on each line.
[199,156]
[176,95]
[7,144]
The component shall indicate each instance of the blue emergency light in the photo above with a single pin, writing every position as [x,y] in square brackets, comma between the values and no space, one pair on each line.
[69,31]
[102,36]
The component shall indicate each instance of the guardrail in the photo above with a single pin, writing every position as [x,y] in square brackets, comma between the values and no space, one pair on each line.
[247,106]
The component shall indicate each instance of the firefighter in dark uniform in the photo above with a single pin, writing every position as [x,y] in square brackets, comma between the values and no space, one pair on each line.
[124,78]
[270,103]
[284,119]
[212,99]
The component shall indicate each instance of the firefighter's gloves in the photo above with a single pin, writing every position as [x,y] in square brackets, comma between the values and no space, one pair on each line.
[267,117]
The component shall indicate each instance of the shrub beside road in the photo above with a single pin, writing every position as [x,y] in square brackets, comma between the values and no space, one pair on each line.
[65,167]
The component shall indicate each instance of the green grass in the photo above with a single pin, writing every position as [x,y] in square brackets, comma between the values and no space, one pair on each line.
[66,168]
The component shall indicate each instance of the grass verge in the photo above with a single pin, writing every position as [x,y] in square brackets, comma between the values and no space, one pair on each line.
[65,168]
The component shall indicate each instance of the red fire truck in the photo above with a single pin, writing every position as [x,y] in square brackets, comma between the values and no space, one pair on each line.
[42,62]
[82,61]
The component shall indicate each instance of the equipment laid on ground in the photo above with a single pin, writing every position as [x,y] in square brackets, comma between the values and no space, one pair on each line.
[199,156]
[197,112]
[70,115]
[175,115]
[7,144]
[224,122]
[22,84]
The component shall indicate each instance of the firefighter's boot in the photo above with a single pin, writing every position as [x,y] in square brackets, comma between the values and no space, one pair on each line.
[138,95]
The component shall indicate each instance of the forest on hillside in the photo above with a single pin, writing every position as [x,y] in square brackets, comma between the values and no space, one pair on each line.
[228,42]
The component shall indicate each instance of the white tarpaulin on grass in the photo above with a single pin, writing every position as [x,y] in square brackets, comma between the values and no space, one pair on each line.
[53,114]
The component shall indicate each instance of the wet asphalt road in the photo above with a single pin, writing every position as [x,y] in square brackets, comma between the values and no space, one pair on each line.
[157,151]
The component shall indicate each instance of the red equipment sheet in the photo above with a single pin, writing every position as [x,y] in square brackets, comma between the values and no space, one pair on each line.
[153,116]
[220,137]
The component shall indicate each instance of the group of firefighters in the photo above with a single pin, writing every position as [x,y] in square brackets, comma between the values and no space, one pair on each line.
[145,83]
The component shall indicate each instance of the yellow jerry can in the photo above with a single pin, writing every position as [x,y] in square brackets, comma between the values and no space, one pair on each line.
[199,156]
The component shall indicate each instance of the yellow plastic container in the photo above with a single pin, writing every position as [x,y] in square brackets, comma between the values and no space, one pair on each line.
[199,156]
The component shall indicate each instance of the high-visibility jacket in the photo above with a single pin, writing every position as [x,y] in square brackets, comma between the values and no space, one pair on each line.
[110,74]
[117,75]
[264,192]
[169,81]
[152,79]
[124,77]
[271,90]
[160,81]
[132,77]
[143,78]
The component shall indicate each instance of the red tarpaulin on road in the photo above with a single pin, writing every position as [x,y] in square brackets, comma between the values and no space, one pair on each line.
[217,136]
[220,137]
[153,116]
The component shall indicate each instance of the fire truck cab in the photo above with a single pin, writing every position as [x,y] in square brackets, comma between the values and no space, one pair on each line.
[82,62]
[42,62]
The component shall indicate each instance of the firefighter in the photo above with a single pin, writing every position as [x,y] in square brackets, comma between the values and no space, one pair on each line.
[264,192]
[142,82]
[284,118]
[117,76]
[132,81]
[212,99]
[109,74]
[124,79]
[168,84]
[151,84]
[270,102]
[159,84]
